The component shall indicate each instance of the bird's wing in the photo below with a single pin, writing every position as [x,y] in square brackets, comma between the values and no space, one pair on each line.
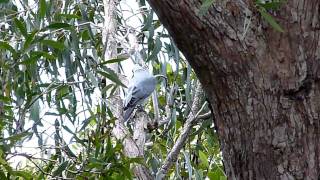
[136,96]
[133,98]
[143,84]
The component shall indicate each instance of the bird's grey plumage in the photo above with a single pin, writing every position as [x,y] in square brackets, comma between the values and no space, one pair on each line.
[140,88]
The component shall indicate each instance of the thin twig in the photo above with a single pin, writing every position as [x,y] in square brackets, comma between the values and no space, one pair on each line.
[173,154]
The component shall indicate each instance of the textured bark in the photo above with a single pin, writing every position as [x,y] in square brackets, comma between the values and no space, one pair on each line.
[263,85]
[133,147]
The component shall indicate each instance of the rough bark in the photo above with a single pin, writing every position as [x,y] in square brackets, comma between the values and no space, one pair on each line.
[133,147]
[263,84]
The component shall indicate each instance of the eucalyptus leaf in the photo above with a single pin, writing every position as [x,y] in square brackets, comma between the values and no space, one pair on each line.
[156,50]
[21,26]
[60,169]
[4,1]
[35,111]
[113,60]
[112,76]
[270,20]
[203,158]
[216,174]
[29,40]
[53,43]
[24,174]
[19,136]
[93,79]
[58,26]
[273,5]
[42,9]
[6,46]
[69,16]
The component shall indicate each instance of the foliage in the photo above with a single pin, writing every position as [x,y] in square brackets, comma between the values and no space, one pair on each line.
[264,6]
[53,119]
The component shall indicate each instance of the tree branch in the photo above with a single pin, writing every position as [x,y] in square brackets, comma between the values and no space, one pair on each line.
[193,116]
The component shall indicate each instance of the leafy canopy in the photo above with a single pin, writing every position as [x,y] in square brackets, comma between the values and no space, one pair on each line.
[54,119]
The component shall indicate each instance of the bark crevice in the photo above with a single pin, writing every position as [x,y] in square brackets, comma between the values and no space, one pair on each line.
[263,87]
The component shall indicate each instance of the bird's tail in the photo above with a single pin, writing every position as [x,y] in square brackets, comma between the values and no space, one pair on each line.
[128,113]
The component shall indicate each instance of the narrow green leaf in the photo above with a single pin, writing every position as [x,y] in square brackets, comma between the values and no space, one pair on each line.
[203,158]
[2,161]
[21,26]
[5,99]
[67,129]
[35,111]
[112,76]
[42,8]
[6,46]
[24,174]
[148,21]
[54,44]
[69,152]
[156,50]
[31,60]
[35,55]
[93,79]
[271,5]
[86,122]
[114,60]
[61,168]
[75,43]
[4,1]
[106,88]
[85,35]
[29,40]
[69,16]
[44,54]
[216,174]
[58,26]
[18,137]
[62,92]
[2,175]
[205,7]
[125,172]
[270,20]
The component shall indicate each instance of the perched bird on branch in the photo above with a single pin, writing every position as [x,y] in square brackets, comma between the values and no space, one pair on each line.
[140,88]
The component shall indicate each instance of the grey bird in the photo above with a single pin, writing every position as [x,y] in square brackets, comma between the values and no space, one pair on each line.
[140,88]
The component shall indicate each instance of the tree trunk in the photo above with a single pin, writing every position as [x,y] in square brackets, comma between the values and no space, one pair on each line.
[263,85]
